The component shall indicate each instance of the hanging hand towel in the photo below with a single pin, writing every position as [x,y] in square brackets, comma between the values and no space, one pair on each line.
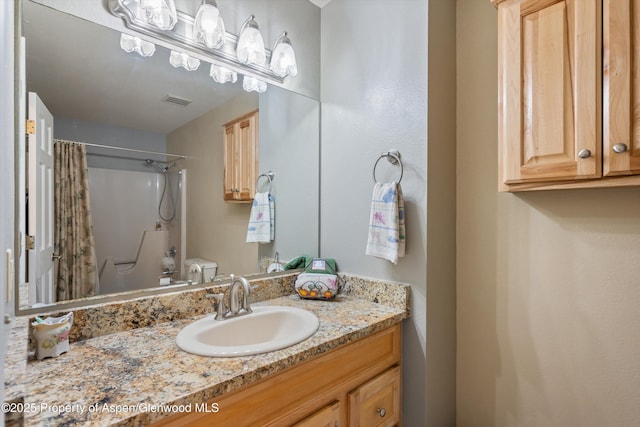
[387,235]
[260,228]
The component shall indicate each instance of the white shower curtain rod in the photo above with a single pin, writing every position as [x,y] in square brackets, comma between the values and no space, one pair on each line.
[132,150]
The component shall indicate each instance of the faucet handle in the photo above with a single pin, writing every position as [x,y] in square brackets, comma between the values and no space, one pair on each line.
[218,304]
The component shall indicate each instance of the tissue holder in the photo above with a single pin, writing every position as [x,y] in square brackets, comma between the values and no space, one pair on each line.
[51,335]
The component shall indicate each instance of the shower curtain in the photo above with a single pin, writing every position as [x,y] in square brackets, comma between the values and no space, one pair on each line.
[73,236]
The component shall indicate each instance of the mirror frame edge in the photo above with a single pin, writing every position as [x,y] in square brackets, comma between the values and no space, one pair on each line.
[128,296]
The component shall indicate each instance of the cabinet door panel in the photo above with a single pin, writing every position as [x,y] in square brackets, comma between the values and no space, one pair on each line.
[329,416]
[241,158]
[548,90]
[230,160]
[248,158]
[376,403]
[621,87]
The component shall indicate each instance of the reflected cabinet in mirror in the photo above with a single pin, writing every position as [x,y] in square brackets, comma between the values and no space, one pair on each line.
[122,174]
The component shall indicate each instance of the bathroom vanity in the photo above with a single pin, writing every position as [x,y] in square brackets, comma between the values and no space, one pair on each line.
[359,382]
[348,371]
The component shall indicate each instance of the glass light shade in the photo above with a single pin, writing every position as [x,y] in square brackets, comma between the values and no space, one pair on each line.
[222,75]
[250,49]
[161,13]
[135,44]
[180,59]
[208,26]
[283,58]
[251,84]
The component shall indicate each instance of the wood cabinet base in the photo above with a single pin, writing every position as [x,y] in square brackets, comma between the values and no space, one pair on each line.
[611,182]
[333,387]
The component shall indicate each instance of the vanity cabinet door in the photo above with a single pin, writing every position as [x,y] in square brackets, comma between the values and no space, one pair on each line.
[377,402]
[329,416]
[621,64]
[241,158]
[549,90]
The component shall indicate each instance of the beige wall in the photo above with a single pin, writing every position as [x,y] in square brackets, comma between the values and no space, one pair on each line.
[215,230]
[441,219]
[548,284]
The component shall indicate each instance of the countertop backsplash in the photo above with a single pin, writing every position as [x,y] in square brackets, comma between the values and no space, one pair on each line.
[107,318]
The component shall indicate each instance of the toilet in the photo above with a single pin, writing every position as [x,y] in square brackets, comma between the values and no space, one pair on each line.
[200,270]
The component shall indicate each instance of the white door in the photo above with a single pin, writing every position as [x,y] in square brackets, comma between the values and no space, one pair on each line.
[7,201]
[41,266]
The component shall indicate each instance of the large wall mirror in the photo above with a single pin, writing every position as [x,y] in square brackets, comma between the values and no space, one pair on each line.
[155,200]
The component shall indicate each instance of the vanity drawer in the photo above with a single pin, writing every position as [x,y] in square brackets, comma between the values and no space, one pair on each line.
[376,403]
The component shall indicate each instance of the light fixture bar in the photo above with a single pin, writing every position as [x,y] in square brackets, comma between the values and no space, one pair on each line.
[180,38]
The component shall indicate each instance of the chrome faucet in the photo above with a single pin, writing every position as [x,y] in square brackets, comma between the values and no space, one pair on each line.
[235,307]
[234,304]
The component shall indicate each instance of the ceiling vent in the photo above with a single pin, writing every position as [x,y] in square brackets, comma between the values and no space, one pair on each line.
[172,99]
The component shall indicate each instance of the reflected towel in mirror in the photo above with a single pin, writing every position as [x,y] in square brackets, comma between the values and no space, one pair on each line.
[261,227]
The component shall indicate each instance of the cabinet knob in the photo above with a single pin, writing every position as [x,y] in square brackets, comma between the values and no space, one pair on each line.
[620,148]
[585,153]
[381,411]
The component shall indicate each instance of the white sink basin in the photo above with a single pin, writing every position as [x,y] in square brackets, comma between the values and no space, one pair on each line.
[268,328]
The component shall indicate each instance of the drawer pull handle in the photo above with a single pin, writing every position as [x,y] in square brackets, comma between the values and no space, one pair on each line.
[620,148]
[585,153]
[381,411]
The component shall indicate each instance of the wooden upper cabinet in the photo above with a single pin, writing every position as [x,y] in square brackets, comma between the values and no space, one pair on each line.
[241,158]
[549,90]
[621,87]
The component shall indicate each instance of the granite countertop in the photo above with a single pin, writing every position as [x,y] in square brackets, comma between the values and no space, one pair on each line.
[122,378]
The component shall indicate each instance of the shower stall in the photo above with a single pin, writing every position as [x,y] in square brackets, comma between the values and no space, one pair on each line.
[139,226]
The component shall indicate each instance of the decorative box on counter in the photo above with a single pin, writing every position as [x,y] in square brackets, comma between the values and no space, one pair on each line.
[51,335]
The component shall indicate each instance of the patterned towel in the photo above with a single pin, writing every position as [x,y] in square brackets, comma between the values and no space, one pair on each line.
[261,219]
[387,235]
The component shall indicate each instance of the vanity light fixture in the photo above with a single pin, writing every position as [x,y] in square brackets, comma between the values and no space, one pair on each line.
[208,27]
[251,84]
[222,75]
[204,37]
[160,13]
[136,44]
[283,58]
[181,59]
[250,49]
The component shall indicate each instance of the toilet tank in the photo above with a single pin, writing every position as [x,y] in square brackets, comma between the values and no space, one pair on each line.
[208,270]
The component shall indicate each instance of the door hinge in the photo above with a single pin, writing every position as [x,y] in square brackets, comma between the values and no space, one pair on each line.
[30,242]
[31,127]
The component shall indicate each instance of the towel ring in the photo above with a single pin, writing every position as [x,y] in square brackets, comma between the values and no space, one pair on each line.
[393,157]
[269,175]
